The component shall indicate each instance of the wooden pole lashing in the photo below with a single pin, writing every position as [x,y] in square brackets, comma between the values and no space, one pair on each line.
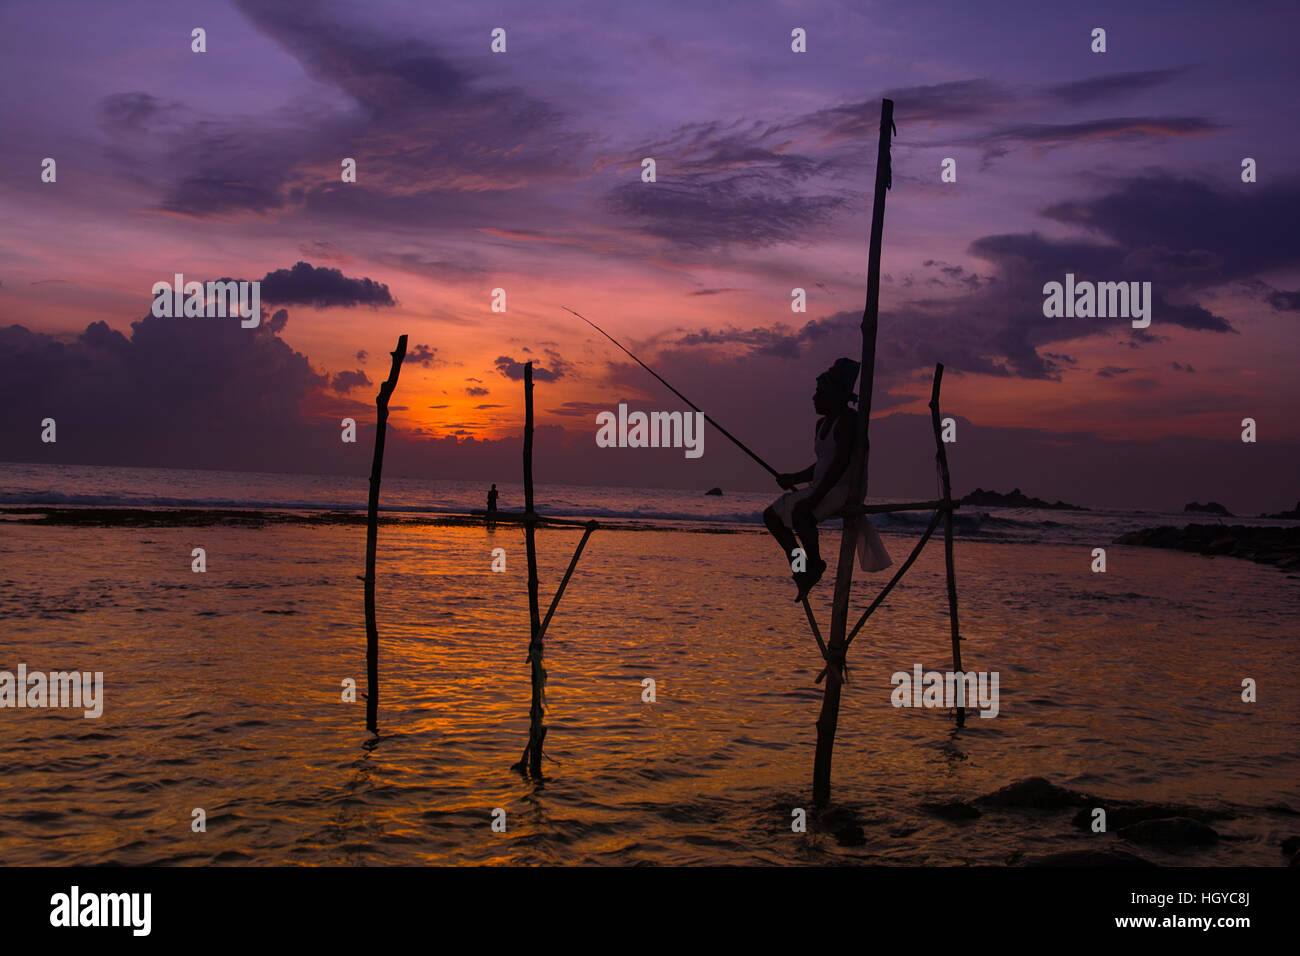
[828,720]
[372,536]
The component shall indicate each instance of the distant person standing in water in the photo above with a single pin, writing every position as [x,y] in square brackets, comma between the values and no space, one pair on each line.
[800,511]
[492,507]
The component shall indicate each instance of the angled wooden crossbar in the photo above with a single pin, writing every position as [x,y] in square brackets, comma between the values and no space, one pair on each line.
[531,761]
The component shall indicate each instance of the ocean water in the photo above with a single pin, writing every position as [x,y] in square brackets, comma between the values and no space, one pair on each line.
[222,689]
[96,486]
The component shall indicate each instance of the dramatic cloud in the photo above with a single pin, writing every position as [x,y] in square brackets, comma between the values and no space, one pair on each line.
[345,381]
[322,287]
[515,370]
[423,356]
[995,325]
[1043,136]
[698,212]
[1227,234]
[956,102]
[197,392]
[1113,85]
[134,111]
[724,187]
[780,340]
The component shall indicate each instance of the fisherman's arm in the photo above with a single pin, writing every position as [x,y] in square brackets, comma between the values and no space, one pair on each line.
[792,478]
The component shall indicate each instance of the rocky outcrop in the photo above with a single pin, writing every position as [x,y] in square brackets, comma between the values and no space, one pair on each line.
[992,499]
[1279,547]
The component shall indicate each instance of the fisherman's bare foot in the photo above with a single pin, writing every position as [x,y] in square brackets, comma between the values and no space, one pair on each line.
[807,580]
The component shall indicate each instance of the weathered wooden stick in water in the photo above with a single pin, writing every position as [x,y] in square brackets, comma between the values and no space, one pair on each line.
[564,582]
[532,757]
[531,761]
[942,456]
[828,720]
[372,537]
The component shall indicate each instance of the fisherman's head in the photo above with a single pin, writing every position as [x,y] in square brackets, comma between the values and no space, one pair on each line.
[835,386]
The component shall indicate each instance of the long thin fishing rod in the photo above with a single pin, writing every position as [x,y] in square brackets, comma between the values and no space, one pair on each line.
[734,440]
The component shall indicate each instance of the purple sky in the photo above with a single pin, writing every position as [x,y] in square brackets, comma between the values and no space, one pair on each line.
[522,171]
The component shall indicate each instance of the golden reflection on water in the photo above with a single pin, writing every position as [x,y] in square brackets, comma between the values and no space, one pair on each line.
[223,692]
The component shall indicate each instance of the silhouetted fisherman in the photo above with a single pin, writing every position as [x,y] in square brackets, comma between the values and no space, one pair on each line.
[492,507]
[800,511]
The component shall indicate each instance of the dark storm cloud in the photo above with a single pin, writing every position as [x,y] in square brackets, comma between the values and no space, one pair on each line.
[515,370]
[1178,236]
[134,111]
[716,187]
[191,392]
[955,275]
[579,409]
[1245,230]
[1284,301]
[205,193]
[1113,85]
[999,141]
[423,356]
[701,212]
[322,287]
[380,72]
[424,117]
[345,381]
[956,102]
[780,340]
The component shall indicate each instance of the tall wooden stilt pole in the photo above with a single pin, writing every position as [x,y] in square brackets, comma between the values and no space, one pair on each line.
[828,721]
[372,537]
[941,456]
[536,731]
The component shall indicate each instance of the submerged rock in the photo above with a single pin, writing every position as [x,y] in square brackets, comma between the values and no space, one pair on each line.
[851,834]
[1170,833]
[1120,815]
[1035,792]
[1110,858]
[844,824]
[951,810]
[1265,545]
[1292,515]
[1016,499]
